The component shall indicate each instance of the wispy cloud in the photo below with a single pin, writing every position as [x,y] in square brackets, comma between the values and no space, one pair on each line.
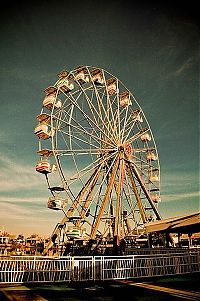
[16,217]
[184,66]
[20,200]
[181,196]
[15,176]
[177,178]
[24,208]
[21,210]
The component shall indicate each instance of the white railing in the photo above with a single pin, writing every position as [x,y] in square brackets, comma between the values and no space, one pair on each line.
[64,269]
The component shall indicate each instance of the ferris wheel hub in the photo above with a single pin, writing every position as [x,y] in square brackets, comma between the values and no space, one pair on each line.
[127,148]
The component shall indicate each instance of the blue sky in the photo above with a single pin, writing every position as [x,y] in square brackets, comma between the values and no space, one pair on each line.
[153,49]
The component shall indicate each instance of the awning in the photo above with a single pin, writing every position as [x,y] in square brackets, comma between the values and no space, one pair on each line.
[181,224]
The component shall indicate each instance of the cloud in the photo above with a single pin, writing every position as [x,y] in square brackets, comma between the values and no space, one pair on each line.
[15,176]
[13,211]
[179,179]
[24,209]
[186,65]
[20,200]
[181,196]
[27,215]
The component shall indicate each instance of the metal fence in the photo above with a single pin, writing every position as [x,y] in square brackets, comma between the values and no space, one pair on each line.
[46,269]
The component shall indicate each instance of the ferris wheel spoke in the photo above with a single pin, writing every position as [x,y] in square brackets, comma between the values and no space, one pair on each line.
[84,131]
[75,120]
[118,113]
[142,161]
[113,118]
[138,135]
[107,113]
[109,104]
[102,109]
[94,110]
[70,138]
[78,126]
[78,138]
[89,168]
[109,128]
[144,149]
[90,121]
[131,127]
[128,130]
[65,141]
[133,116]
[125,124]
[93,151]
[113,104]
[66,109]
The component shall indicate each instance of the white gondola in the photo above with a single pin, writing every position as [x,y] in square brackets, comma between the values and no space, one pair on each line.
[45,152]
[151,156]
[42,131]
[56,203]
[65,85]
[97,77]
[155,198]
[145,137]
[63,74]
[44,118]
[111,86]
[81,75]
[154,176]
[73,232]
[51,101]
[43,166]
[124,99]
[136,115]
[149,217]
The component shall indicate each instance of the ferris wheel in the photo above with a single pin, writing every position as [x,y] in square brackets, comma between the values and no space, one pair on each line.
[99,157]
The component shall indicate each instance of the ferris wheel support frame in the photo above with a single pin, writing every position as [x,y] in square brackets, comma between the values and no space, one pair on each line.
[133,168]
[105,200]
[76,202]
[140,205]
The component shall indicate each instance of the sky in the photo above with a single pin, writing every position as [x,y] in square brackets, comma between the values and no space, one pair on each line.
[152,48]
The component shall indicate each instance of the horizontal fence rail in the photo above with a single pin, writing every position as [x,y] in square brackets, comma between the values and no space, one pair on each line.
[24,269]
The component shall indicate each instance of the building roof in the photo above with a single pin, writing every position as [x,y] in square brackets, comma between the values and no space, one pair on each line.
[181,224]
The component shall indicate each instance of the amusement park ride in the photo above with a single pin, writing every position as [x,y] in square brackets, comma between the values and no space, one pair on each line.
[100,161]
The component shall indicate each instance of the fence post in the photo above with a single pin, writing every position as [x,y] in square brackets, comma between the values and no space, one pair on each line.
[102,268]
[189,261]
[93,268]
[133,265]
